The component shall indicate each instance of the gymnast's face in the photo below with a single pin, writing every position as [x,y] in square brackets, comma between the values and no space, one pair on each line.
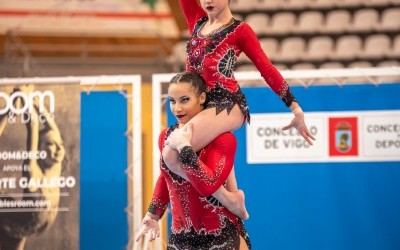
[52,143]
[214,7]
[185,101]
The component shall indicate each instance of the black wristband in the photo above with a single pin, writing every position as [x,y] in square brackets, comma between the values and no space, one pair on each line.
[188,157]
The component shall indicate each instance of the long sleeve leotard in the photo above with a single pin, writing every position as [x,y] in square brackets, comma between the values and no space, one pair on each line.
[199,221]
[214,56]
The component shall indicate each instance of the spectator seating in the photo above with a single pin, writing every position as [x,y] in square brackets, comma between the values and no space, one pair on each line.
[376,46]
[258,22]
[390,20]
[282,23]
[309,22]
[270,46]
[348,47]
[364,20]
[320,48]
[292,49]
[337,21]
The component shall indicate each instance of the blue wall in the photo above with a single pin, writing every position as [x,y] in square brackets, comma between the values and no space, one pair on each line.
[322,206]
[103,182]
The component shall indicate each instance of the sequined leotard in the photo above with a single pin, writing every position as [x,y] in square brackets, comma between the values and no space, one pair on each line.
[199,221]
[214,57]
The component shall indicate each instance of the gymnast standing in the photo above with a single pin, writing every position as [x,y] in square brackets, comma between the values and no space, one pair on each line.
[199,220]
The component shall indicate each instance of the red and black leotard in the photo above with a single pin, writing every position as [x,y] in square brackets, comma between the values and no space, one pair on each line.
[199,221]
[214,57]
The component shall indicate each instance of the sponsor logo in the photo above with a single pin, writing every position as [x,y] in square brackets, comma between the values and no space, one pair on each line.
[343,136]
[19,103]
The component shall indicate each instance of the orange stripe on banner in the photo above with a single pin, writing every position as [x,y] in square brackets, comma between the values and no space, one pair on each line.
[85,14]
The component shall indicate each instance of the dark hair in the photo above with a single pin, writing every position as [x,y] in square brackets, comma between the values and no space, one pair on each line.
[193,78]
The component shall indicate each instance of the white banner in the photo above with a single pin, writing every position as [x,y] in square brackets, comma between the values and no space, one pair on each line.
[340,136]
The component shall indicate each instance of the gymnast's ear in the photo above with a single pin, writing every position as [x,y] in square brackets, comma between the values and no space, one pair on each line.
[202,98]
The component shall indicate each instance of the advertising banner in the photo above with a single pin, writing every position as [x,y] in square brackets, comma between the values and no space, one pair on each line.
[39,166]
[340,136]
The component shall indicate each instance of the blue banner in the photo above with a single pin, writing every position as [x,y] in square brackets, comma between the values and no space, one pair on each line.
[104,159]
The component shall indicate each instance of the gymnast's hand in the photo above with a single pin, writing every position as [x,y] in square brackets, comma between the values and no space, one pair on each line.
[181,137]
[300,125]
[150,226]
